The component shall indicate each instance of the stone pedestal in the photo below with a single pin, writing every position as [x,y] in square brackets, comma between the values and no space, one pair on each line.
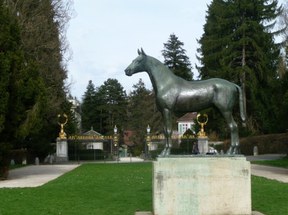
[203,145]
[61,150]
[202,185]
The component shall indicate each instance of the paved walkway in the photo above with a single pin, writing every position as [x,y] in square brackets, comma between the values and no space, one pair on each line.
[34,176]
[265,157]
[274,173]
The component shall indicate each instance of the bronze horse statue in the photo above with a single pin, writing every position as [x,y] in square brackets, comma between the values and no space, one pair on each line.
[174,94]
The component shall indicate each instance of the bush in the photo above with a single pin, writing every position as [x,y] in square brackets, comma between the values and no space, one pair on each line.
[267,144]
[18,155]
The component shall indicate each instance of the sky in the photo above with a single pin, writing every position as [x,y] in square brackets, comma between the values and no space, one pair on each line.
[104,36]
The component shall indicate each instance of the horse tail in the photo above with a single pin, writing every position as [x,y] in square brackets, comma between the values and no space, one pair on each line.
[241,104]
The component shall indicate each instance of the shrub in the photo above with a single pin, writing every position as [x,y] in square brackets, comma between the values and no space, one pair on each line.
[266,144]
[270,143]
[18,155]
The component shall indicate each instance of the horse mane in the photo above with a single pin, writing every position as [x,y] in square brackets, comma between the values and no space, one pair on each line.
[162,67]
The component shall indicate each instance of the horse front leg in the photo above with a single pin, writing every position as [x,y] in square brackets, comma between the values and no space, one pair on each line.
[167,117]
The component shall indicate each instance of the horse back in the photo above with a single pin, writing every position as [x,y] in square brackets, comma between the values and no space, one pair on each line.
[197,95]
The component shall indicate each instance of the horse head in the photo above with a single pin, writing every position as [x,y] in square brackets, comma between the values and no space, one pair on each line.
[137,65]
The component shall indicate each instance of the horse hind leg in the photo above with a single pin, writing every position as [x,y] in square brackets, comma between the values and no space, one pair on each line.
[234,147]
[167,132]
[166,150]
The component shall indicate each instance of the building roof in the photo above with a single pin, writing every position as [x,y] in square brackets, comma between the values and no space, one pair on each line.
[188,117]
[92,133]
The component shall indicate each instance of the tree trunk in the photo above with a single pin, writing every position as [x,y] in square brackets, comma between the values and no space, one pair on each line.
[4,172]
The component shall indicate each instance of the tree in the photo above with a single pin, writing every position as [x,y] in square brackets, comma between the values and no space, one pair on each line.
[35,92]
[142,112]
[25,89]
[88,107]
[284,23]
[112,104]
[176,59]
[9,42]
[104,107]
[281,105]
[238,45]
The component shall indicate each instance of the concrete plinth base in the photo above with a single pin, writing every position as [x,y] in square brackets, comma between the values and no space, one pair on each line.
[202,185]
[143,213]
[61,150]
[203,145]
[150,213]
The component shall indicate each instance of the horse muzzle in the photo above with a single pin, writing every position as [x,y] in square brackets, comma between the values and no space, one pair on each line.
[128,72]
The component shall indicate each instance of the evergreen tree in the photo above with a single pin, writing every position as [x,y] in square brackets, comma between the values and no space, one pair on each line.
[8,45]
[176,59]
[113,104]
[142,112]
[36,75]
[238,45]
[25,89]
[104,107]
[88,108]
[284,23]
[281,105]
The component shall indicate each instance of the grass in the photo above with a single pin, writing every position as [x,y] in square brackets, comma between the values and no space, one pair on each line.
[116,189]
[269,196]
[277,163]
[101,189]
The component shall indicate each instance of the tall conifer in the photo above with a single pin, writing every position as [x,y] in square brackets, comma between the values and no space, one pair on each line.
[176,59]
[238,45]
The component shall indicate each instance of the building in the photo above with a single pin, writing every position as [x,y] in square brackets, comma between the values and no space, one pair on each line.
[186,122]
[95,140]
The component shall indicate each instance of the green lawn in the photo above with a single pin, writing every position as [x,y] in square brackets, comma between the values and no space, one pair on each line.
[102,189]
[277,163]
[269,196]
[97,189]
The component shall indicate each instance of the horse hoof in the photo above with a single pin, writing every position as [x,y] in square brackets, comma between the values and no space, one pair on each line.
[165,152]
[233,150]
[168,151]
[236,151]
[229,152]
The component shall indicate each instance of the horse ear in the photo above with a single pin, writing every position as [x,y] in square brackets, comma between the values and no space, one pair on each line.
[142,52]
[138,51]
